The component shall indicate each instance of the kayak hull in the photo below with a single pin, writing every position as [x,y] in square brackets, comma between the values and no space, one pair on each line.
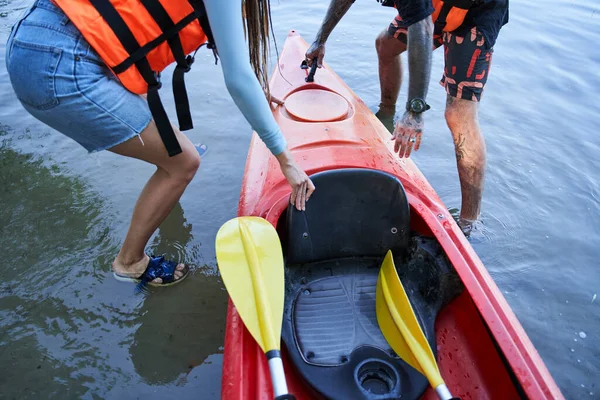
[482,350]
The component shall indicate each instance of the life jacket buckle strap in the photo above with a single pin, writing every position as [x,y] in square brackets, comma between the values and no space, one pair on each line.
[157,84]
[215,53]
[189,61]
[186,66]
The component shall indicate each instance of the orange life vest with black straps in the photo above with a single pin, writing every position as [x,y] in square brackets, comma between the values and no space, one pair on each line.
[137,39]
[448,14]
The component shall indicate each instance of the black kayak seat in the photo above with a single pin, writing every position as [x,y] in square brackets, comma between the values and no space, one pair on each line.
[334,251]
[353,212]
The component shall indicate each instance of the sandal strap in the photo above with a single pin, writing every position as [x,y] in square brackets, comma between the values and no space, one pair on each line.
[159,267]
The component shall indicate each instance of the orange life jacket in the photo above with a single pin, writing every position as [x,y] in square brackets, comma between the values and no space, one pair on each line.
[137,39]
[449,14]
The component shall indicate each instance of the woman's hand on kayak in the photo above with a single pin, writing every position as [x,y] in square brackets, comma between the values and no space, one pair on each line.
[316,50]
[302,186]
[408,133]
[275,100]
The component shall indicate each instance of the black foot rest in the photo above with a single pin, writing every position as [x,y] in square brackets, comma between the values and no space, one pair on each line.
[330,325]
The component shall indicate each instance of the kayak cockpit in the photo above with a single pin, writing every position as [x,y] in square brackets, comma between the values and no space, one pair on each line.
[333,254]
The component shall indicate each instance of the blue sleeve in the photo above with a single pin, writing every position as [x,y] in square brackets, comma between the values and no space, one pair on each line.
[227,26]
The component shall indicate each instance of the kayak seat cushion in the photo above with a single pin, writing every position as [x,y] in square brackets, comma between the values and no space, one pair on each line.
[353,212]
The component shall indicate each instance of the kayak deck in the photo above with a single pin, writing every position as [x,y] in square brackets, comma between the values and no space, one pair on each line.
[482,350]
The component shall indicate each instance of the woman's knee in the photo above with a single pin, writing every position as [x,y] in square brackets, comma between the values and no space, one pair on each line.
[185,165]
[149,147]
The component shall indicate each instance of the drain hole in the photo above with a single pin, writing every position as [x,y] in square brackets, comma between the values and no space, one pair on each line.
[376,377]
[375,385]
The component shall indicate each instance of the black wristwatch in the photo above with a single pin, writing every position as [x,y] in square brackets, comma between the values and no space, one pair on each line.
[417,105]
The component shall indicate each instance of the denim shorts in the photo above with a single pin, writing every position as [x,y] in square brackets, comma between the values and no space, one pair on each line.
[62,82]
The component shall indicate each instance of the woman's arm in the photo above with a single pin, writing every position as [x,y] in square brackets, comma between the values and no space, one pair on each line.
[227,26]
[226,22]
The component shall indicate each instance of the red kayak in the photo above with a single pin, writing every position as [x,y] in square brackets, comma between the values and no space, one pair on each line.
[367,201]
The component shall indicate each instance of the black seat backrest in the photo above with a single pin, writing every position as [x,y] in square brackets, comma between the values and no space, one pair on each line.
[353,212]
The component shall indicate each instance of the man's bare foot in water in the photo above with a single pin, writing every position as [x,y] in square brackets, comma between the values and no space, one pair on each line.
[386,115]
[465,225]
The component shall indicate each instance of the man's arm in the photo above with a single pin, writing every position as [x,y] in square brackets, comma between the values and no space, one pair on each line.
[409,129]
[420,39]
[337,9]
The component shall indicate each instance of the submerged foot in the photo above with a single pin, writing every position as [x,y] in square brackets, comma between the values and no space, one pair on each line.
[467,226]
[386,116]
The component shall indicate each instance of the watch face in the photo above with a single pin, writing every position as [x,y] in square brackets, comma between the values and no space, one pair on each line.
[417,105]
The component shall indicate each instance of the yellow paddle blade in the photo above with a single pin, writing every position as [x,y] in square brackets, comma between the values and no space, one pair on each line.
[250,259]
[399,324]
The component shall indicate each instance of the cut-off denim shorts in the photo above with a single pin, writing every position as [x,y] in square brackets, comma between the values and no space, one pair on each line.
[62,82]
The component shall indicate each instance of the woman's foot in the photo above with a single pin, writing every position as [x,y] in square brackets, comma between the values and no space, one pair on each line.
[156,271]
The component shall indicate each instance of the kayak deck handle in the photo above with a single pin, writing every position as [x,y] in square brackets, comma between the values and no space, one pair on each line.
[313,69]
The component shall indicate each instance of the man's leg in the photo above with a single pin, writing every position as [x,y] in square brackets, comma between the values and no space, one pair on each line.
[469,145]
[467,63]
[390,43]
[390,68]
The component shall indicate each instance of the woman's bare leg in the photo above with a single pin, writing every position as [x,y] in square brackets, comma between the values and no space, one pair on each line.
[160,194]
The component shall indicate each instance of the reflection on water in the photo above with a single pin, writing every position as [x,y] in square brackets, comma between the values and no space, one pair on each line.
[48,262]
[66,331]
[170,341]
[173,235]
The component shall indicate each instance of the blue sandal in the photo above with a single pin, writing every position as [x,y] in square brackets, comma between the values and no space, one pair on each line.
[158,267]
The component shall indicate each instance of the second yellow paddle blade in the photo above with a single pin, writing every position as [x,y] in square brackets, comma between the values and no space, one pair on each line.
[399,324]
[250,259]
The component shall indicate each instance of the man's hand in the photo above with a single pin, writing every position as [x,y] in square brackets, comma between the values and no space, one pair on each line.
[408,134]
[317,51]
[335,12]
